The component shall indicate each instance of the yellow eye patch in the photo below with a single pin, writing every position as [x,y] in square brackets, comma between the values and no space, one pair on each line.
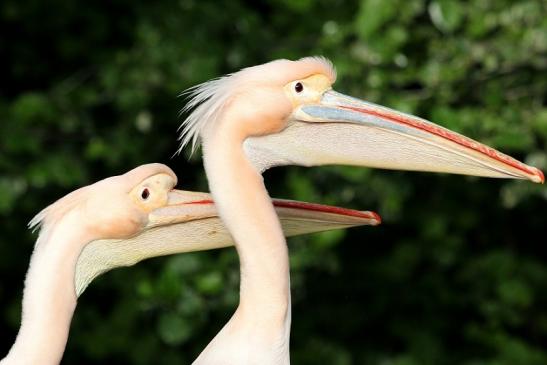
[308,90]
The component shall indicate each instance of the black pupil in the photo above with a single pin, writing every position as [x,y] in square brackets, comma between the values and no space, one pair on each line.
[145,194]
[298,87]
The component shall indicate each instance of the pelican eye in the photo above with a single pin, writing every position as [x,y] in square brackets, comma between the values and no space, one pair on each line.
[298,87]
[145,194]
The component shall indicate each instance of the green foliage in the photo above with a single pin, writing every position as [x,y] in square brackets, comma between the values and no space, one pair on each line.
[455,275]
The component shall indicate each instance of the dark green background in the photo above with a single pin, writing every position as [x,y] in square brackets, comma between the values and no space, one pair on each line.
[456,274]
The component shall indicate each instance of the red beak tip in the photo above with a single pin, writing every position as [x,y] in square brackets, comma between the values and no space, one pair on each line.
[377,218]
[537,176]
[541,176]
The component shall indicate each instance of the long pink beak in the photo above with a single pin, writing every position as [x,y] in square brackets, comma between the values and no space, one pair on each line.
[186,206]
[343,130]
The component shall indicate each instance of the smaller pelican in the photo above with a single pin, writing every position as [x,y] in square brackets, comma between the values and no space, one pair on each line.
[120,221]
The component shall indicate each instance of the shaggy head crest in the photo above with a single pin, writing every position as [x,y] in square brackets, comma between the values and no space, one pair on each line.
[208,99]
[53,213]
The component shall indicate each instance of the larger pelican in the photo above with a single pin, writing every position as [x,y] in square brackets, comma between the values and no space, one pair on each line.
[286,113]
[120,221]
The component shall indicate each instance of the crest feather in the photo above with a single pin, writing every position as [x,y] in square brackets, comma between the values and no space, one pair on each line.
[206,102]
[57,210]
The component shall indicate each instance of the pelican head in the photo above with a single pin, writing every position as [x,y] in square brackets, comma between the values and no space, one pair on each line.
[115,207]
[294,117]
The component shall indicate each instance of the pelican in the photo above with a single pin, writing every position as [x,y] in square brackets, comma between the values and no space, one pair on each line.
[120,221]
[286,113]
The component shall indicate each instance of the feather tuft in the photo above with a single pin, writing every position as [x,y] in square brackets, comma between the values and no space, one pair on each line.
[53,213]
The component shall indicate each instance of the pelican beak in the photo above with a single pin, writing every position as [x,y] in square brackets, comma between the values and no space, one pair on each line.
[185,206]
[342,130]
[190,222]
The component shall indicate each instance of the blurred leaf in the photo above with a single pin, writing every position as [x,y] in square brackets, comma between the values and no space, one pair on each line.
[173,329]
[210,283]
[372,15]
[446,14]
[515,292]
